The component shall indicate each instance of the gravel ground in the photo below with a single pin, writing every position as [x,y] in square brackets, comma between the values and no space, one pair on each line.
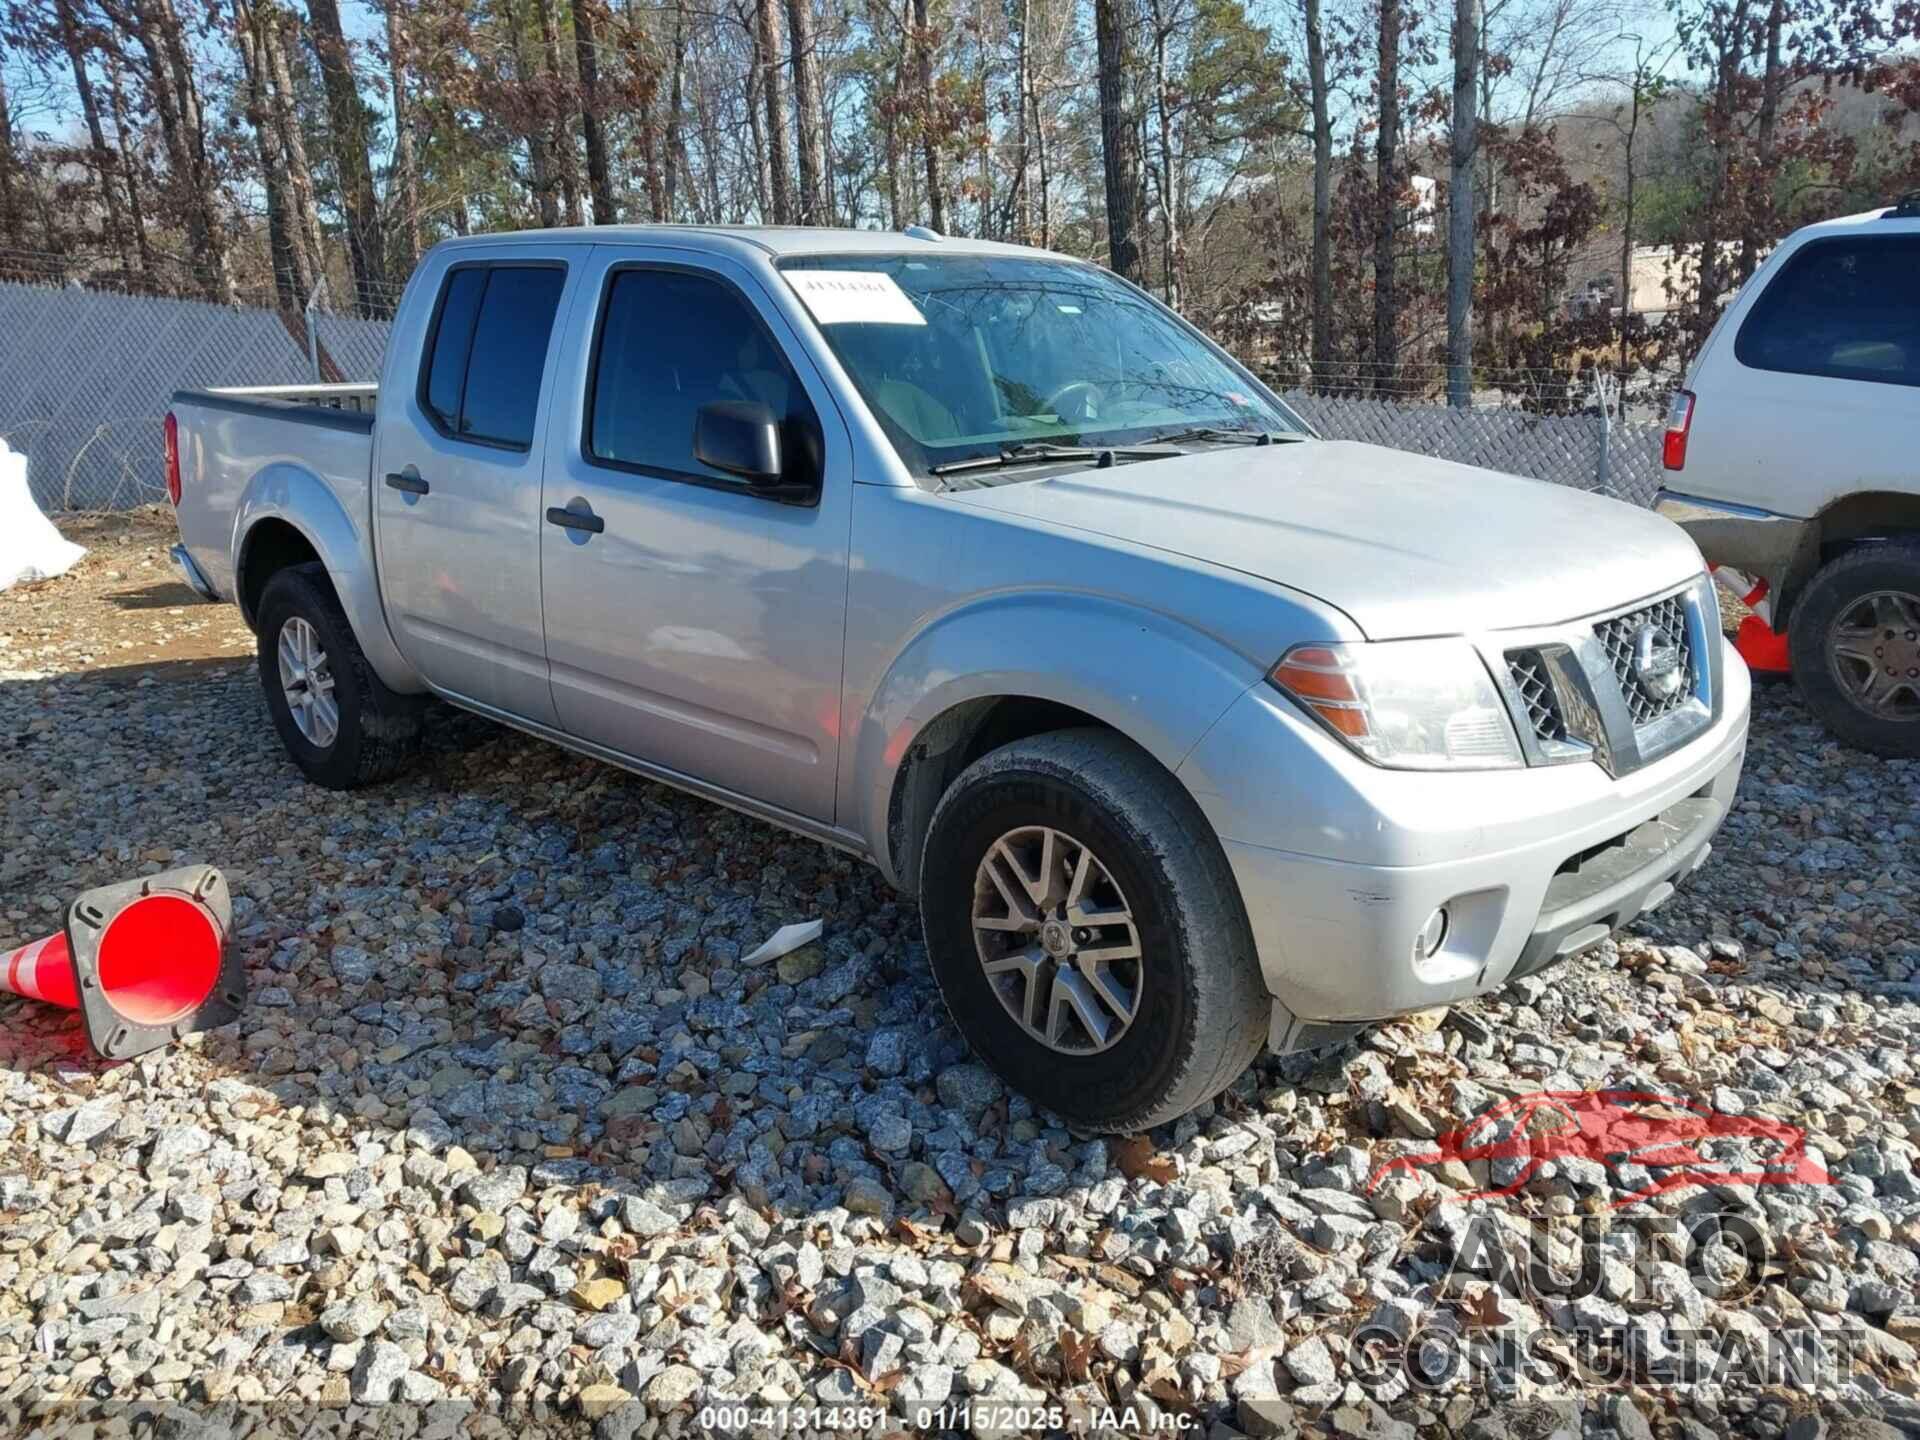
[508,1120]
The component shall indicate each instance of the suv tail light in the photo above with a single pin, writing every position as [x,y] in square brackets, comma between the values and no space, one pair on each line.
[1673,453]
[172,430]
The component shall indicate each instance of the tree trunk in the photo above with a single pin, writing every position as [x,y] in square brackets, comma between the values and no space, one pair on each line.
[292,282]
[104,162]
[565,153]
[586,60]
[773,94]
[1460,216]
[812,208]
[671,161]
[275,31]
[1119,137]
[1626,223]
[136,216]
[1759,207]
[1386,302]
[930,137]
[206,247]
[347,119]
[406,170]
[1020,202]
[1172,259]
[1322,283]
[11,185]
[1731,47]
[540,159]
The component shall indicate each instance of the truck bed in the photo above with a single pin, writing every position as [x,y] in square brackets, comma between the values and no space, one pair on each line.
[252,449]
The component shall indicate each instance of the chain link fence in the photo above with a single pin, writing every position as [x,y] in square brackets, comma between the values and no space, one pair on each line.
[86,376]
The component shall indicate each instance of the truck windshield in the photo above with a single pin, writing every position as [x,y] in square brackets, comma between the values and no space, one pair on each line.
[971,357]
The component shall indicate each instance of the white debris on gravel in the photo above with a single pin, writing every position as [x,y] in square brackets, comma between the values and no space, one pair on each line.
[510,1120]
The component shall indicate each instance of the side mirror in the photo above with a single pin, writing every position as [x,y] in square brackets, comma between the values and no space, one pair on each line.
[740,438]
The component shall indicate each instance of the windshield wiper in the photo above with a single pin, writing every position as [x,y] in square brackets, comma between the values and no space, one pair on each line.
[1218,432]
[1030,452]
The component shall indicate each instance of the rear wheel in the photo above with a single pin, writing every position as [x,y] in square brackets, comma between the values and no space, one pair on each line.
[1855,642]
[341,725]
[1087,934]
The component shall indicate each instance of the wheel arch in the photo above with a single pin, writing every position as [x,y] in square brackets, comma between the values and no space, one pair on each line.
[1847,522]
[289,516]
[952,696]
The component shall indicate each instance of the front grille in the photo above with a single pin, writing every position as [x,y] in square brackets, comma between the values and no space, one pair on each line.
[1616,637]
[1535,688]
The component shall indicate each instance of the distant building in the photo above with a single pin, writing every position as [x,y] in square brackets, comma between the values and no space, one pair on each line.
[1652,268]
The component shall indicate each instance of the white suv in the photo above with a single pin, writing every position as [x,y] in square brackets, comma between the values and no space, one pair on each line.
[1795,452]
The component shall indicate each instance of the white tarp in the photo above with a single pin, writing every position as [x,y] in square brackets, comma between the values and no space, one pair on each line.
[30,548]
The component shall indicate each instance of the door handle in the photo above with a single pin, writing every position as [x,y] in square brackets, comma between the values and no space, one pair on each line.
[575,519]
[412,484]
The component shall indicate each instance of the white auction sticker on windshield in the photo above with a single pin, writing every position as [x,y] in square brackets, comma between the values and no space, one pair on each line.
[854,297]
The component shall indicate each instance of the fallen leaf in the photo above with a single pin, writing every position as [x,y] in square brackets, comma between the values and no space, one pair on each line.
[1137,1159]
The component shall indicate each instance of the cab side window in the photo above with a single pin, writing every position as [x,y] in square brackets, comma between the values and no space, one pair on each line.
[1847,309]
[671,342]
[489,351]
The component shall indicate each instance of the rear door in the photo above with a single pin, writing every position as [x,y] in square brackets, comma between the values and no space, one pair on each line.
[700,627]
[1814,393]
[457,482]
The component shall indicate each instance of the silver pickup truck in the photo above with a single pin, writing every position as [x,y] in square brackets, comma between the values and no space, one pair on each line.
[1188,730]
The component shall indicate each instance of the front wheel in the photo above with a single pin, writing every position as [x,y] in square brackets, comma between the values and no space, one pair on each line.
[1087,934]
[1855,642]
[341,725]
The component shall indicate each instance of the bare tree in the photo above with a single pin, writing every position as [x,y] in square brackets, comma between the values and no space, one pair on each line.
[1460,201]
[292,267]
[1119,136]
[559,89]
[930,136]
[11,185]
[586,60]
[406,169]
[1321,283]
[274,30]
[104,161]
[813,207]
[347,122]
[1388,187]
[773,93]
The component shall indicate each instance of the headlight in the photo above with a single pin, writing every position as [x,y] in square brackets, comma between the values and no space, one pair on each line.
[1405,704]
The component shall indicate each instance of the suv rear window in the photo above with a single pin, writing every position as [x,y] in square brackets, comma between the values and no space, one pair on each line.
[489,350]
[1846,308]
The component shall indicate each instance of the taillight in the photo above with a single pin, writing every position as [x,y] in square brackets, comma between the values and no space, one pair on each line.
[172,431]
[1673,453]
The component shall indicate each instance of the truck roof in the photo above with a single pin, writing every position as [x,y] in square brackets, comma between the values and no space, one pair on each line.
[778,241]
[1906,220]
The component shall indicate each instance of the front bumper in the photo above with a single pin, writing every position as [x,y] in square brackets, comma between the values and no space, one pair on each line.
[1341,864]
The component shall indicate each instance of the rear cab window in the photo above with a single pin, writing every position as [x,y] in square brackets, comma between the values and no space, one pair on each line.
[480,379]
[1844,308]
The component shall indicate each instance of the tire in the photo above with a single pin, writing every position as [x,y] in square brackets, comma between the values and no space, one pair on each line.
[1200,1004]
[376,731]
[1839,599]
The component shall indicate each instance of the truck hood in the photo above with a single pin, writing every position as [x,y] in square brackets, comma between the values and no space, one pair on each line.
[1405,545]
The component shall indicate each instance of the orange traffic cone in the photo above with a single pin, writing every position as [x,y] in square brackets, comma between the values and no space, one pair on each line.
[144,961]
[1760,645]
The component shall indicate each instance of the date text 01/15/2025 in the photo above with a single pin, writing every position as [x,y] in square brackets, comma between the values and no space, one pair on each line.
[963,1416]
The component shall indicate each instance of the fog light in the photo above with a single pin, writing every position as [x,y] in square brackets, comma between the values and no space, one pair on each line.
[1432,936]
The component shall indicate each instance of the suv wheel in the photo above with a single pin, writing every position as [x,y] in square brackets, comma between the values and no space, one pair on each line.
[1855,642]
[1087,934]
[342,726]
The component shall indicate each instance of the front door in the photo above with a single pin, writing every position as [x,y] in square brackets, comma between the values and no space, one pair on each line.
[691,623]
[457,484]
